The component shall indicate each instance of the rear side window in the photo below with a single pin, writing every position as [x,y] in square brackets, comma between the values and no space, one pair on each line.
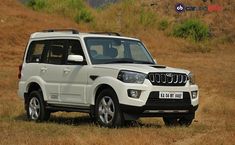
[55,52]
[34,54]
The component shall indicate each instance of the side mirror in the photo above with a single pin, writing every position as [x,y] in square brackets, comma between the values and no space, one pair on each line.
[75,58]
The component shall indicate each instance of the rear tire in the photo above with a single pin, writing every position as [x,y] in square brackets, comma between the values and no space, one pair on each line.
[107,110]
[36,107]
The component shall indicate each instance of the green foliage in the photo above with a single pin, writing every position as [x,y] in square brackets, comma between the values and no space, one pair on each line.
[163,25]
[192,29]
[75,9]
[74,4]
[37,4]
[83,15]
[147,17]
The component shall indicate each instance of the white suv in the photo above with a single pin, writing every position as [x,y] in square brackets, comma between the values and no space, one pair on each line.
[113,78]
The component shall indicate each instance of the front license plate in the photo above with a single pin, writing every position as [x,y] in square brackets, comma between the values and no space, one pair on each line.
[171,95]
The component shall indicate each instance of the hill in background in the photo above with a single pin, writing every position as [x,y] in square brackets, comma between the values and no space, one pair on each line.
[136,17]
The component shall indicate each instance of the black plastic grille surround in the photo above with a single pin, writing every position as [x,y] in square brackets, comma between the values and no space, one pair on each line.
[167,79]
[155,101]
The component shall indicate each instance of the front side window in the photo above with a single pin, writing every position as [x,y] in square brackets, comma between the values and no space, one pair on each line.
[75,48]
[115,50]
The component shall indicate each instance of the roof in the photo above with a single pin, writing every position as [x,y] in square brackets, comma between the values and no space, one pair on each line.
[73,33]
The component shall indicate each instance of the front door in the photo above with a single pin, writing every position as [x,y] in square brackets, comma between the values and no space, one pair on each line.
[74,76]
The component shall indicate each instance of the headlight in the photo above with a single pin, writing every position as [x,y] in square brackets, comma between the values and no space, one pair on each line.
[131,77]
[191,78]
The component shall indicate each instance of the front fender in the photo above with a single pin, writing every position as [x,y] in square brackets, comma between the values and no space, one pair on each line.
[110,81]
[121,90]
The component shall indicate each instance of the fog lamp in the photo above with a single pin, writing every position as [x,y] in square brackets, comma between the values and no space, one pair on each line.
[134,93]
[194,94]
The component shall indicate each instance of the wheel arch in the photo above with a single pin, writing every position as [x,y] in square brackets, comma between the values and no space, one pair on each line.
[100,88]
[33,86]
[100,84]
[35,83]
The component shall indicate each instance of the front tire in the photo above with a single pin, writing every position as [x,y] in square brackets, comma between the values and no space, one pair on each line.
[35,108]
[107,110]
[182,121]
[185,121]
[170,121]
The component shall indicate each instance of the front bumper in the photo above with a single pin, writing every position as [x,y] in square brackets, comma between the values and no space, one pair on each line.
[158,111]
[149,91]
[162,107]
[149,104]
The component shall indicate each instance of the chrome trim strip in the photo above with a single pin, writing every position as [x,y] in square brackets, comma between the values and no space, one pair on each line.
[166,111]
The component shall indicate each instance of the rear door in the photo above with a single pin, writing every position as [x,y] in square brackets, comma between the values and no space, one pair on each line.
[51,68]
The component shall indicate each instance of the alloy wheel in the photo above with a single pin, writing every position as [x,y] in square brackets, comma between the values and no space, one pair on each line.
[34,108]
[106,110]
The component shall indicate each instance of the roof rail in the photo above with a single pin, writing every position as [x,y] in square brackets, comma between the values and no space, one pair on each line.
[74,31]
[106,33]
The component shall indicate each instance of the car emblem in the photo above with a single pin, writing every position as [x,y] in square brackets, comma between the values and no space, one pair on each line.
[169,75]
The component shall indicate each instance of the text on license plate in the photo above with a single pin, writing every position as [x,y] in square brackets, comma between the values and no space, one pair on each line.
[171,95]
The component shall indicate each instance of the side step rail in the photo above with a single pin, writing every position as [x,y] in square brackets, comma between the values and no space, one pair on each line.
[55,108]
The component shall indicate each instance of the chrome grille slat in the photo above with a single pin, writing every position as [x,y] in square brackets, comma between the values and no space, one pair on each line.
[163,78]
[180,78]
[157,78]
[151,78]
[176,78]
[168,79]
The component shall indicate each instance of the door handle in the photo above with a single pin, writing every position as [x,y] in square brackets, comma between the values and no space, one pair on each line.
[43,69]
[67,70]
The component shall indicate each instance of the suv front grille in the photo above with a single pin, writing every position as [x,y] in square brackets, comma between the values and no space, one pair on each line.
[168,79]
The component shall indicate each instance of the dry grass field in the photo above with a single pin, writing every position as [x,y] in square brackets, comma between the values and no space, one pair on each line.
[215,74]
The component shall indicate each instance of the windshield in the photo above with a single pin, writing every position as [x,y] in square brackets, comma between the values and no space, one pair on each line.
[115,50]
